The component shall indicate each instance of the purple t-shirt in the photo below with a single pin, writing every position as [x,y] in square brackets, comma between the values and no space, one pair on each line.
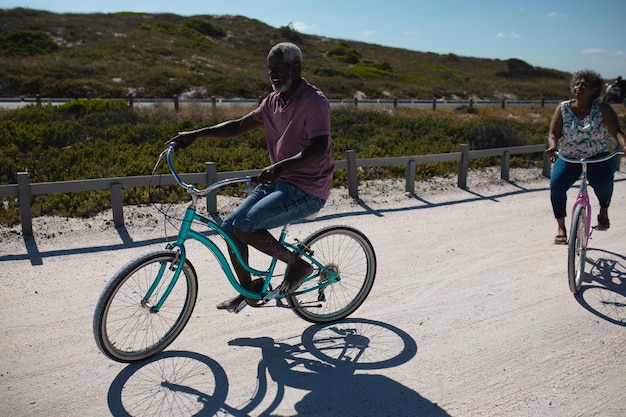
[289,129]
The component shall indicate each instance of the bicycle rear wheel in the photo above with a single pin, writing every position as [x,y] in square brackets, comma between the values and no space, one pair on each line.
[348,252]
[127,328]
[577,249]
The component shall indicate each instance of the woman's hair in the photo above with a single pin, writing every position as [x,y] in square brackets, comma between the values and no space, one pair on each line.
[591,77]
[291,53]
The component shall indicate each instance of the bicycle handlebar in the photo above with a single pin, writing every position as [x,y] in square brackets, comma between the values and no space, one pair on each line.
[588,160]
[192,189]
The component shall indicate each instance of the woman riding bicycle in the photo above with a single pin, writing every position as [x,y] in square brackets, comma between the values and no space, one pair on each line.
[296,118]
[583,127]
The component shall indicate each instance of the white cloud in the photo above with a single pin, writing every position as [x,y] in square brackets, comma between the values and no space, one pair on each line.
[512,35]
[595,51]
[301,26]
[369,33]
[601,51]
[552,15]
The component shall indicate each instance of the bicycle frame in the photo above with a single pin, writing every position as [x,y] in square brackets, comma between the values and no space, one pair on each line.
[186,232]
[582,199]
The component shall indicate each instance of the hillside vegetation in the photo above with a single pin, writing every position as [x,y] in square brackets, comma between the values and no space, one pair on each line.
[159,56]
[102,139]
[162,55]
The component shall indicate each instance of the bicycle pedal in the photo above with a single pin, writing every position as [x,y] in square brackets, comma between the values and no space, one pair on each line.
[241,306]
[271,295]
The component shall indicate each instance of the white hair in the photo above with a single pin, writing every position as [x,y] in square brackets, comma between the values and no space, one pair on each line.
[290,53]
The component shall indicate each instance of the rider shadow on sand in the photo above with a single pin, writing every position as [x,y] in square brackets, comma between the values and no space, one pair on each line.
[604,287]
[324,364]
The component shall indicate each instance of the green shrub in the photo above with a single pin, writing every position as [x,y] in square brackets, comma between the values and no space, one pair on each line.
[101,139]
[23,43]
[344,53]
[204,27]
[164,27]
[289,33]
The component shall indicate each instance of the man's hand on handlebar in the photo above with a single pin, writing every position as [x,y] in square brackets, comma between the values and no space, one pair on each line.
[182,139]
[267,176]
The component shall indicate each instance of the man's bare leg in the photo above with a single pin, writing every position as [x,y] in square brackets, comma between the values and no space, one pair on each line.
[244,276]
[263,241]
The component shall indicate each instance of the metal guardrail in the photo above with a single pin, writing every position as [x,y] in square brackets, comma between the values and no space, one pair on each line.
[176,101]
[23,190]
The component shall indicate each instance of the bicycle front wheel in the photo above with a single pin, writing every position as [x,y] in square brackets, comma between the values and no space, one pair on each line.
[127,325]
[347,252]
[577,249]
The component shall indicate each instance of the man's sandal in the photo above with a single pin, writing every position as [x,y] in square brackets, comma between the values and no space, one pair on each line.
[560,240]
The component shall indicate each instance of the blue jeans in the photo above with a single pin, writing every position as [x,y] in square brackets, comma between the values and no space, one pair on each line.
[272,205]
[565,174]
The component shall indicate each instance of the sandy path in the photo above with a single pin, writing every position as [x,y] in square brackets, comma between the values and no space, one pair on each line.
[470,315]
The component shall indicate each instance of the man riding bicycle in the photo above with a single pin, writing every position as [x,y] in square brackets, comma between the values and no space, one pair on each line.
[296,118]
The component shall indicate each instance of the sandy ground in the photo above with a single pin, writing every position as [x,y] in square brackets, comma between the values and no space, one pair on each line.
[470,315]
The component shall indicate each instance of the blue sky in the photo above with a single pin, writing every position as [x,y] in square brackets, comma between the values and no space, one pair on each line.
[564,35]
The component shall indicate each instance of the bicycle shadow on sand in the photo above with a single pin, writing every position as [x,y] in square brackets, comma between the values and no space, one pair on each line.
[603,291]
[323,364]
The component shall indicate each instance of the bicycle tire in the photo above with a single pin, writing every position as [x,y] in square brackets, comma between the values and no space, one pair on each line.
[348,252]
[577,250]
[125,328]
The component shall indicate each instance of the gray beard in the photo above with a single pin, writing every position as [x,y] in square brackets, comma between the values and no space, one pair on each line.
[286,86]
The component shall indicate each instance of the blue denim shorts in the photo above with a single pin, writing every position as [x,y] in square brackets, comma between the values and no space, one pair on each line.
[272,205]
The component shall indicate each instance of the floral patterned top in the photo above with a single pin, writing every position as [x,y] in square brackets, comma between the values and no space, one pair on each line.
[586,137]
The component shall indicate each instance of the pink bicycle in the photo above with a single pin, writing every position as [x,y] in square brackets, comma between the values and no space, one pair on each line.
[580,229]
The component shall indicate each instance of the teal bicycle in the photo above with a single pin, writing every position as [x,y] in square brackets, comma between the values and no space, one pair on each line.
[149,301]
[580,229]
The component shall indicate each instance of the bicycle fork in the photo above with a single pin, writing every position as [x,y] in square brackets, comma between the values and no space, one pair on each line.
[175,266]
[583,200]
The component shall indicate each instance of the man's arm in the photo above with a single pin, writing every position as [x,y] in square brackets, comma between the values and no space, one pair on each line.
[224,130]
[315,152]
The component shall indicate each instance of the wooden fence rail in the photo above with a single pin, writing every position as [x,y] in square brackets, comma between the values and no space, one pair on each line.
[24,190]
